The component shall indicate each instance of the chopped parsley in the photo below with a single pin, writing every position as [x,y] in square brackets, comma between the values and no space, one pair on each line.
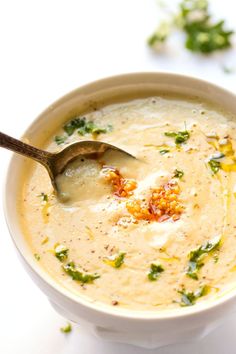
[196,256]
[203,35]
[60,139]
[83,127]
[91,128]
[180,137]
[190,298]
[214,166]
[37,256]
[66,329]
[206,38]
[160,35]
[74,124]
[44,197]
[164,151]
[77,275]
[178,173]
[61,252]
[115,261]
[155,271]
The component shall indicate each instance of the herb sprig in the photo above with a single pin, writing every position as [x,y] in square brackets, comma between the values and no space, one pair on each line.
[180,137]
[44,197]
[178,173]
[155,271]
[164,151]
[37,257]
[189,298]
[196,256]
[83,127]
[214,166]
[203,35]
[71,269]
[60,139]
[61,252]
[66,329]
[115,261]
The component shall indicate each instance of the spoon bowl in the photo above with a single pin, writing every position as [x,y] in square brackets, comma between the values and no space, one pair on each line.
[55,163]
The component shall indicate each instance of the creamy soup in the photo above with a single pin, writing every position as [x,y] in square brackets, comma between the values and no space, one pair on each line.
[153,233]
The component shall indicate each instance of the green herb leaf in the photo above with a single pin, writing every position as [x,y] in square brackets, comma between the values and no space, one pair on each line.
[214,166]
[60,139]
[160,35]
[190,298]
[44,197]
[77,275]
[178,173]
[37,256]
[180,137]
[66,329]
[164,151]
[196,256]
[61,252]
[206,38]
[171,134]
[188,7]
[83,127]
[193,268]
[115,261]
[203,35]
[155,271]
[74,124]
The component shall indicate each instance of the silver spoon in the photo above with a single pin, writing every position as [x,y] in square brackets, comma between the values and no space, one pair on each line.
[56,163]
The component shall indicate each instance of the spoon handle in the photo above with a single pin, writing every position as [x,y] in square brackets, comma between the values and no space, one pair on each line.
[18,146]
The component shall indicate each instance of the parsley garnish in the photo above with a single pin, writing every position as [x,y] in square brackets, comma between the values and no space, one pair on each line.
[74,124]
[83,127]
[202,33]
[115,261]
[60,139]
[37,256]
[178,173]
[214,166]
[66,329]
[61,252]
[164,151]
[44,197]
[75,274]
[91,128]
[160,35]
[190,298]
[155,271]
[180,137]
[196,256]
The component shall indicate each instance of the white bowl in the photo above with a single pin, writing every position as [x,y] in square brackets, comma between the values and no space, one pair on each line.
[148,329]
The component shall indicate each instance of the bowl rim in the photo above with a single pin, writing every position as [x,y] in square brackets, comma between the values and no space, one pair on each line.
[99,307]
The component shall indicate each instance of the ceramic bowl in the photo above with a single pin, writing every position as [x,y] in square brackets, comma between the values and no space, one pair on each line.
[147,329]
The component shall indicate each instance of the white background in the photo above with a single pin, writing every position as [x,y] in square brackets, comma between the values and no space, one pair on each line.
[48,48]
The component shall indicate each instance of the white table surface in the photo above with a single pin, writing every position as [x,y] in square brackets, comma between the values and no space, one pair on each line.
[48,48]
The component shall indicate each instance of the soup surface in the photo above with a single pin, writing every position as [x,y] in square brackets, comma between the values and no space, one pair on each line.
[148,234]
